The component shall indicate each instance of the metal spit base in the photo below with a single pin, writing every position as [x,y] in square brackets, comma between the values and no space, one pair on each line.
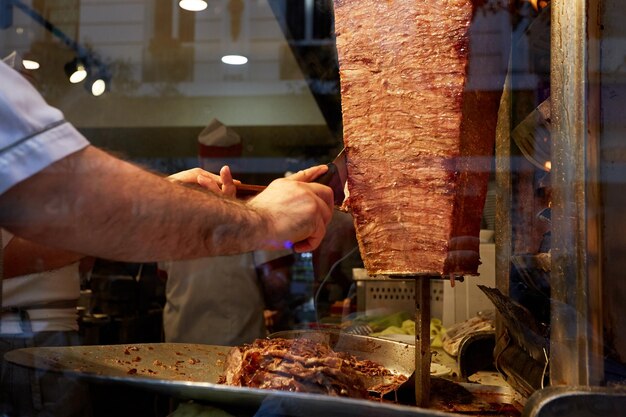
[422,341]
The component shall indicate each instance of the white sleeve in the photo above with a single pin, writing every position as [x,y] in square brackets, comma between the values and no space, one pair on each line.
[33,135]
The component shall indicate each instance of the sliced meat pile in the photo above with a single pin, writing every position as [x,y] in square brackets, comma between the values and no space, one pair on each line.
[300,365]
[416,188]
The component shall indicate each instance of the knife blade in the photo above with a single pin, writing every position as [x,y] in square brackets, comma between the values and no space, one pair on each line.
[335,178]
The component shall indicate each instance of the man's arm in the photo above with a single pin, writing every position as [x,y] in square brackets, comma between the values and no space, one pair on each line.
[23,257]
[93,203]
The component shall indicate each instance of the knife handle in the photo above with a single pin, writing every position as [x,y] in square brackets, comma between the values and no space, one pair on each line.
[248,190]
[328,176]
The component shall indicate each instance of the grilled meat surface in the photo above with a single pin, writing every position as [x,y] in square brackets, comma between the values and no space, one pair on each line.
[301,365]
[417,152]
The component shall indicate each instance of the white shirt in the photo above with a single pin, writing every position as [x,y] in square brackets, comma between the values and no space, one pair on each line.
[215,300]
[33,134]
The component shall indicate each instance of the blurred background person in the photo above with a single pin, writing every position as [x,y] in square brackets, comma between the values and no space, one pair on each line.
[218,300]
[40,294]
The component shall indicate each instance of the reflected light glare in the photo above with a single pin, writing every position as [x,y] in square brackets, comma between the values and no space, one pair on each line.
[548,166]
[29,64]
[193,5]
[78,75]
[98,87]
[234,59]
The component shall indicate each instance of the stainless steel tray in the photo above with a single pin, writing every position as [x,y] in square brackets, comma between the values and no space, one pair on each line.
[152,362]
[191,371]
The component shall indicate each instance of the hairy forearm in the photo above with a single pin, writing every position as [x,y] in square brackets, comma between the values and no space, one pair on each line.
[98,205]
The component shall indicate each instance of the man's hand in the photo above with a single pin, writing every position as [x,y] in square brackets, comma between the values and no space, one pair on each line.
[298,210]
[219,184]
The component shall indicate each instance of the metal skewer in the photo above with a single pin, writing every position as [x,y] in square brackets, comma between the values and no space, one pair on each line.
[422,341]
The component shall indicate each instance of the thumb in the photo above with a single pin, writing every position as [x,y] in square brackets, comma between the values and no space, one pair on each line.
[309,174]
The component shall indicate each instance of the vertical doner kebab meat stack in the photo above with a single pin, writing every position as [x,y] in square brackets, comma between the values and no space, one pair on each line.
[417,171]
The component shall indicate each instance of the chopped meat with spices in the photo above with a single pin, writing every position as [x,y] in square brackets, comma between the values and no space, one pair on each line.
[301,365]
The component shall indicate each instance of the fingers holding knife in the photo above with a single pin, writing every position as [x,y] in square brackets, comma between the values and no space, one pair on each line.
[223,183]
[299,208]
[309,174]
[228,184]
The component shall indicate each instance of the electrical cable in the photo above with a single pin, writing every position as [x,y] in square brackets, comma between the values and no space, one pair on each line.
[330,271]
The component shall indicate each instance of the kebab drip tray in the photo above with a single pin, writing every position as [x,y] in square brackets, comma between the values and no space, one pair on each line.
[194,372]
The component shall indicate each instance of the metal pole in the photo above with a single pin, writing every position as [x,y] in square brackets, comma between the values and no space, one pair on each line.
[422,341]
[576,341]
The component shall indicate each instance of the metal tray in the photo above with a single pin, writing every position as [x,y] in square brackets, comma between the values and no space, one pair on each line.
[191,372]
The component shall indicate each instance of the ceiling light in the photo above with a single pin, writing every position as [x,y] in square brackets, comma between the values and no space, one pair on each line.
[75,71]
[78,75]
[98,81]
[234,59]
[193,5]
[98,87]
[29,64]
